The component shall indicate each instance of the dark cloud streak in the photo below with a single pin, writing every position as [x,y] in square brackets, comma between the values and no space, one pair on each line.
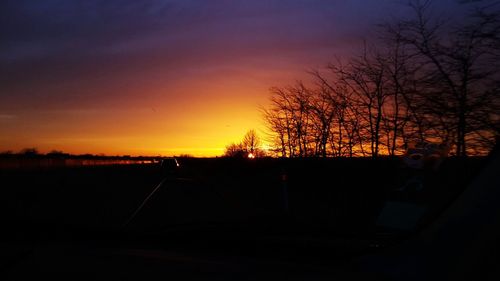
[51,42]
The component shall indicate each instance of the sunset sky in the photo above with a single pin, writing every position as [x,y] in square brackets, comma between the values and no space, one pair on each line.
[163,77]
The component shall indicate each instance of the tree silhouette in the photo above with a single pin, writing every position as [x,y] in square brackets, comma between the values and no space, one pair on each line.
[251,142]
[29,152]
[234,150]
[423,80]
[250,146]
[458,78]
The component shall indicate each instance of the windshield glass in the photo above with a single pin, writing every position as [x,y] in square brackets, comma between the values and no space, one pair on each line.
[351,126]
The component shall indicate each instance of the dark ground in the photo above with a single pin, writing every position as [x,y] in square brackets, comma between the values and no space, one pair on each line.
[347,193]
[323,198]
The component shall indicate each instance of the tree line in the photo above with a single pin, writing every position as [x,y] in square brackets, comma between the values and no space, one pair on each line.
[33,152]
[424,79]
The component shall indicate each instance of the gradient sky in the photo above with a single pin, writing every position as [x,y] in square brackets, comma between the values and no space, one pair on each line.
[162,77]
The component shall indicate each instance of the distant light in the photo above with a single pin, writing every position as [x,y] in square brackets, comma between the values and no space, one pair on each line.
[251,156]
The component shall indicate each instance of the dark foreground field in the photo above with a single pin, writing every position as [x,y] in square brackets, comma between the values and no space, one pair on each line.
[347,193]
[261,197]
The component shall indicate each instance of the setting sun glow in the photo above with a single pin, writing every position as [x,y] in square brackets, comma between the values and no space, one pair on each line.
[165,78]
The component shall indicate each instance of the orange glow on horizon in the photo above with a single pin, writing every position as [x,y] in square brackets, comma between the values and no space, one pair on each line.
[200,125]
[145,113]
[169,78]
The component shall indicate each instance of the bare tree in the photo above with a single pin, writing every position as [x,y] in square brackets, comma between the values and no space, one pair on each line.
[426,80]
[339,119]
[250,146]
[323,114]
[277,126]
[234,150]
[282,116]
[459,74]
[290,115]
[364,76]
[251,142]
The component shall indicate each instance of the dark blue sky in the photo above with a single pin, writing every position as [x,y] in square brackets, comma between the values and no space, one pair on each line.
[66,64]
[54,31]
